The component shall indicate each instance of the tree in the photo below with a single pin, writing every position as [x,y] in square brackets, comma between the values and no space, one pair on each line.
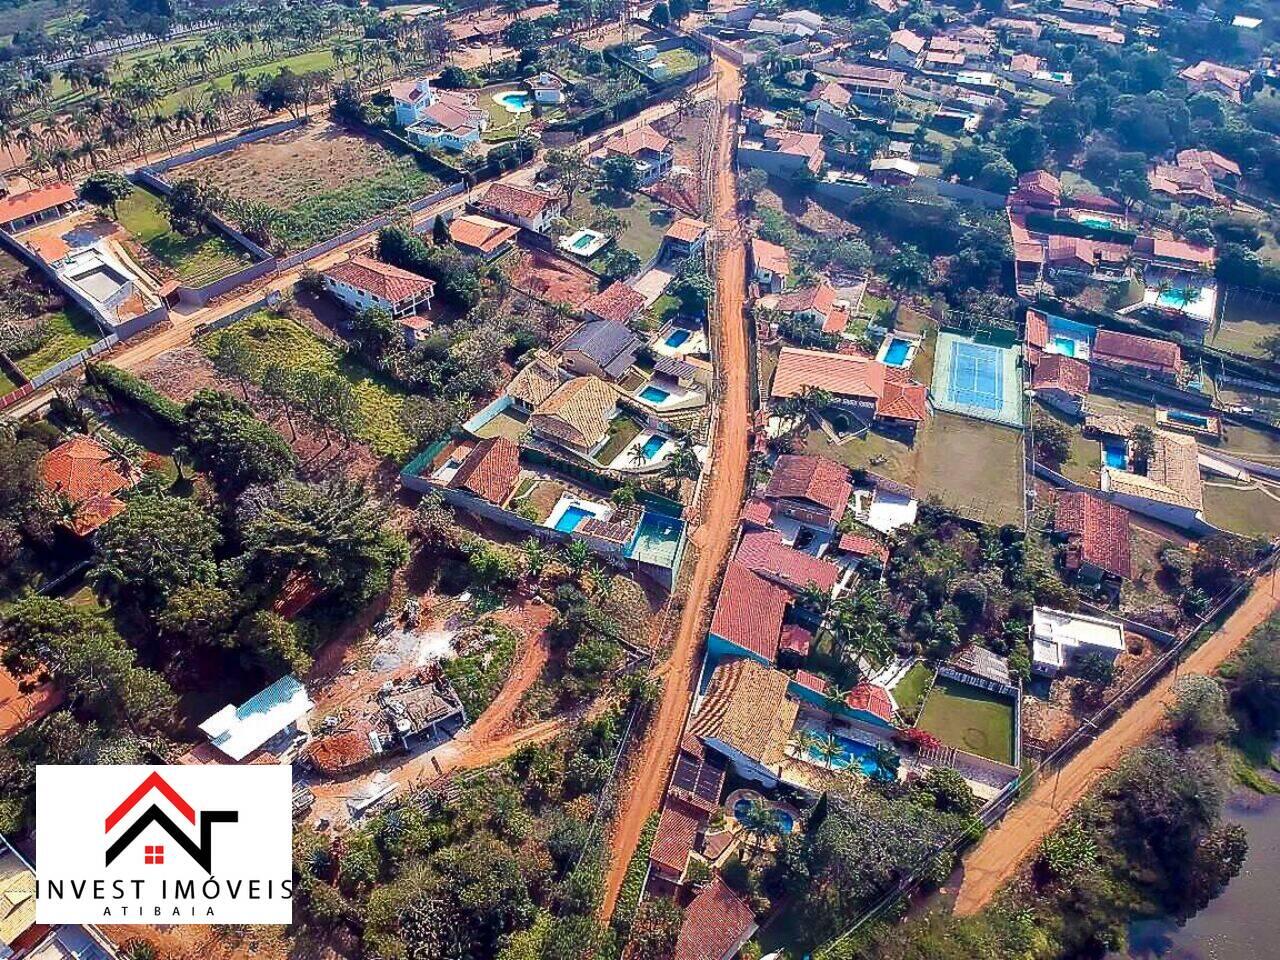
[657,921]
[909,268]
[159,544]
[1096,670]
[440,231]
[1142,447]
[620,174]
[105,189]
[190,204]
[235,359]
[661,14]
[274,642]
[1198,714]
[1053,442]
[232,444]
[203,613]
[619,263]
[1068,851]
[760,823]
[282,91]
[679,9]
[694,290]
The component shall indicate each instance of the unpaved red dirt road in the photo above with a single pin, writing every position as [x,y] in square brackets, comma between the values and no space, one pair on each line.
[1004,849]
[719,511]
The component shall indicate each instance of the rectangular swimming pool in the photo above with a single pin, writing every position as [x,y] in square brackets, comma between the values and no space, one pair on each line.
[677,337]
[896,355]
[1065,346]
[1098,223]
[572,518]
[1115,454]
[1190,419]
[653,445]
[652,394]
[851,752]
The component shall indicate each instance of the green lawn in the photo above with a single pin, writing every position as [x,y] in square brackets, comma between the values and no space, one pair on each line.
[970,719]
[1084,465]
[6,385]
[298,63]
[503,124]
[1243,324]
[621,432]
[644,220]
[912,686]
[72,330]
[973,465]
[196,260]
[679,61]
[278,339]
[1249,512]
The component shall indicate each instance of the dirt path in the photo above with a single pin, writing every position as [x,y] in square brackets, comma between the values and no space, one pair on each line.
[723,498]
[1002,851]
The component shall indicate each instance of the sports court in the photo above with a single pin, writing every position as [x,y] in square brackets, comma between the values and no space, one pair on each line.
[978,379]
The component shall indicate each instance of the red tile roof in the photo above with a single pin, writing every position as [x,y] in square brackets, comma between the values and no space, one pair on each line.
[816,479]
[1101,526]
[677,833]
[810,681]
[758,512]
[1146,352]
[83,471]
[480,233]
[686,230]
[862,546]
[490,470]
[381,279]
[617,302]
[871,698]
[770,256]
[1037,334]
[749,612]
[642,138]
[819,298]
[1165,249]
[716,922]
[763,552]
[30,202]
[517,201]
[1056,372]
[407,90]
[844,375]
[904,398]
[796,639]
[829,92]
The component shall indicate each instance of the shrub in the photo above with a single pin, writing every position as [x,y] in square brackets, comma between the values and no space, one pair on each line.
[124,387]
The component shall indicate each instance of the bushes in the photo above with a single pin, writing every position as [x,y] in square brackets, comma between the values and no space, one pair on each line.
[632,883]
[124,387]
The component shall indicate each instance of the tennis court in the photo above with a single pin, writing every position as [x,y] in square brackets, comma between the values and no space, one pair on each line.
[980,380]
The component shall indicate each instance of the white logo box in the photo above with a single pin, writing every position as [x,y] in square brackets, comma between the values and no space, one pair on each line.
[82,812]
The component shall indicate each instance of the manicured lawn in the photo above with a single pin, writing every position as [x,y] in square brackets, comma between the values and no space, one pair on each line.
[1249,442]
[199,259]
[970,719]
[911,687]
[679,61]
[644,221]
[298,63]
[278,339]
[503,124]
[72,330]
[1249,512]
[621,432]
[1084,465]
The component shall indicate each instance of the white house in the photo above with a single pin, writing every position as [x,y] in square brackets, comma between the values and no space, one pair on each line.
[547,88]
[448,119]
[363,283]
[272,714]
[531,209]
[411,98]
[1058,638]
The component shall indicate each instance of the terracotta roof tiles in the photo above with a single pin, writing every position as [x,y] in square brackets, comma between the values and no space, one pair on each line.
[1101,526]
[819,480]
[490,471]
[750,611]
[380,279]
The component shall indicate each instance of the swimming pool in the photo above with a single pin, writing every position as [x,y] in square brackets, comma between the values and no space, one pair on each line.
[1098,223]
[677,337]
[516,101]
[896,355]
[652,394]
[653,445]
[1115,454]
[571,518]
[1065,346]
[1190,419]
[1178,297]
[786,822]
[851,752]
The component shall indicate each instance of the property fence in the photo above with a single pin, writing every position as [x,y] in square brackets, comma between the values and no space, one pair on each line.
[995,811]
[213,149]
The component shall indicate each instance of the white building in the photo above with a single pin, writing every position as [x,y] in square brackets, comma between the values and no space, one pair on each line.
[271,715]
[363,283]
[547,88]
[1058,638]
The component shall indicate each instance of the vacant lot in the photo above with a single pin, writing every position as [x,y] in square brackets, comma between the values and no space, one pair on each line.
[320,178]
[1245,321]
[974,466]
[278,339]
[1252,512]
[642,221]
[69,331]
[970,719]
[551,278]
[196,260]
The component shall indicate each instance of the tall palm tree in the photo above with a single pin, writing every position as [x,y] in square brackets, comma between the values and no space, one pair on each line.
[830,749]
[804,743]
[760,823]
[886,762]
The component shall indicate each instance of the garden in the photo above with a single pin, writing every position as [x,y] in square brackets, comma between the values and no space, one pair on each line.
[274,339]
[969,719]
[46,330]
[197,259]
[316,180]
[636,222]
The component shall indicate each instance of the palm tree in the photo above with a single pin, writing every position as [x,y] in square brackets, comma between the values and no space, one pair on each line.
[536,557]
[638,457]
[576,557]
[123,451]
[830,749]
[886,762]
[815,598]
[760,823]
[804,743]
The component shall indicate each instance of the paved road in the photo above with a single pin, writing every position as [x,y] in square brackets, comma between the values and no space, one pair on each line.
[720,508]
[1004,849]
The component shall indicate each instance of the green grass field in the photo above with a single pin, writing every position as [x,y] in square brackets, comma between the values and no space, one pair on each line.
[6,385]
[644,221]
[298,63]
[278,339]
[973,465]
[970,719]
[72,331]
[911,687]
[503,124]
[200,259]
[1245,321]
[1249,512]
[679,61]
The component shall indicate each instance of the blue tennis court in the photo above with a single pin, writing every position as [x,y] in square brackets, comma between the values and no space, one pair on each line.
[977,375]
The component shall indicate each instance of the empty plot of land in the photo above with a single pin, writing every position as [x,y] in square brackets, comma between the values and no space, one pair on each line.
[198,259]
[320,178]
[1249,511]
[970,719]
[551,278]
[974,466]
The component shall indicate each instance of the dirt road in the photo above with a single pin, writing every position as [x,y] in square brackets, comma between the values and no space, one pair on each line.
[723,499]
[1002,851]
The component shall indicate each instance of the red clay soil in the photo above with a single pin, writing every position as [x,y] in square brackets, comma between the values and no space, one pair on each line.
[551,278]
[1000,855]
[722,501]
[18,710]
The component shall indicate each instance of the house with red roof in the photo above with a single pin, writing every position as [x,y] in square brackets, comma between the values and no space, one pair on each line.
[1142,356]
[445,119]
[862,388]
[532,209]
[489,471]
[1214,164]
[770,265]
[717,924]
[646,147]
[21,210]
[363,283]
[1062,382]
[783,152]
[749,616]
[904,48]
[617,303]
[809,489]
[88,476]
[482,237]
[871,703]
[765,554]
[1209,77]
[814,307]
[1096,532]
[1036,190]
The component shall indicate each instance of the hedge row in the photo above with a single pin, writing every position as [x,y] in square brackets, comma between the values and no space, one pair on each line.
[124,387]
[637,870]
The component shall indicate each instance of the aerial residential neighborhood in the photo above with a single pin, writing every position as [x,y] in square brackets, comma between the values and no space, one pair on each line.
[697,480]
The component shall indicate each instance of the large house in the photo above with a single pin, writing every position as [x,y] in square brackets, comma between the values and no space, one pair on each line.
[576,415]
[1170,489]
[749,616]
[809,489]
[21,210]
[599,348]
[1036,190]
[717,924]
[904,48]
[646,147]
[1211,162]
[531,209]
[1096,533]
[1189,186]
[1142,356]
[861,388]
[1062,382]
[1209,77]
[783,152]
[362,283]
[814,306]
[450,120]
[869,85]
[747,718]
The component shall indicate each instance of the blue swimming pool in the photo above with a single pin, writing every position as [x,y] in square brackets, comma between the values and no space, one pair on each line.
[516,101]
[1065,346]
[1098,223]
[1115,454]
[1178,297]
[571,518]
[652,394]
[851,752]
[786,822]
[897,353]
[652,446]
[1190,419]
[677,338]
